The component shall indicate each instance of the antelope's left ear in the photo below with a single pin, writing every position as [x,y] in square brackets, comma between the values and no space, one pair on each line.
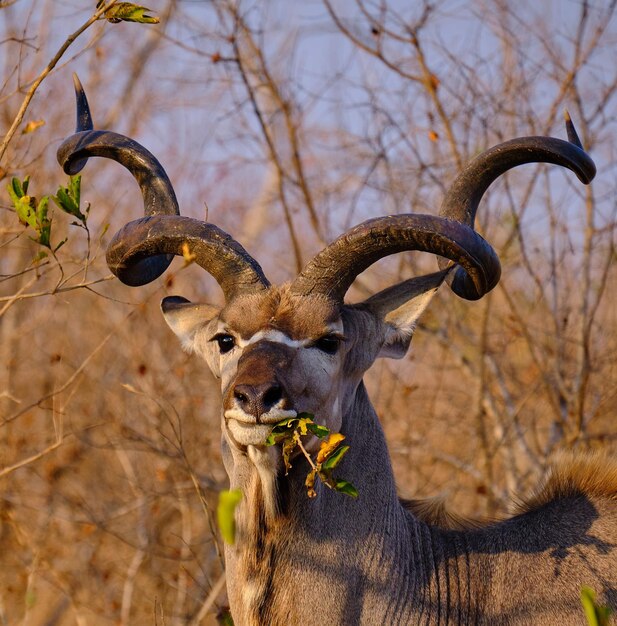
[400,307]
[185,318]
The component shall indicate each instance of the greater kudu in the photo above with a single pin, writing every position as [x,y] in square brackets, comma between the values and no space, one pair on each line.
[281,350]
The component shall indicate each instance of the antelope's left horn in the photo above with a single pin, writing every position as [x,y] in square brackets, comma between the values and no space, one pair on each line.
[462,199]
[333,270]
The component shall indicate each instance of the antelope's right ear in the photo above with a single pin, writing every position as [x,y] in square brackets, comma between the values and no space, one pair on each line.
[186,318]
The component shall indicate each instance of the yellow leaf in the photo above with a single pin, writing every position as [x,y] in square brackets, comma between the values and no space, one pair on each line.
[288,447]
[432,135]
[329,446]
[302,425]
[433,81]
[30,127]
[189,257]
[225,513]
[310,484]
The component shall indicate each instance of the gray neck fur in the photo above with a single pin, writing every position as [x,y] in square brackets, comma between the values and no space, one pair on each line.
[335,560]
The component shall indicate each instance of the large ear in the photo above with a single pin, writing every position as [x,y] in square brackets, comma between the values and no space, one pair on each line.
[186,318]
[399,308]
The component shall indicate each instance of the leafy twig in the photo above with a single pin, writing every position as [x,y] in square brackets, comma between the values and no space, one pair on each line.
[289,433]
[48,68]
[30,212]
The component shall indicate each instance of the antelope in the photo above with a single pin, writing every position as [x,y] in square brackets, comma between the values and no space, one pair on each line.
[298,347]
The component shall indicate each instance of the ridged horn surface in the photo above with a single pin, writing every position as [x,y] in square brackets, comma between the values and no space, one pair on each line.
[333,270]
[140,262]
[462,200]
[206,244]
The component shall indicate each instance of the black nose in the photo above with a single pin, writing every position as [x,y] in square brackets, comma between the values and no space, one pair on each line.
[258,399]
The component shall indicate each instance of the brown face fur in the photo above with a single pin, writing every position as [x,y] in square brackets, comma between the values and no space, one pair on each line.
[278,353]
[298,317]
[272,365]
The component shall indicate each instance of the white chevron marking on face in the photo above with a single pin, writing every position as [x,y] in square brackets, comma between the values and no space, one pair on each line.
[272,335]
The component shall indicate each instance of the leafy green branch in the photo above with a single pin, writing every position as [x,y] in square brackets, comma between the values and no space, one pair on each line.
[32,213]
[68,199]
[289,433]
[35,214]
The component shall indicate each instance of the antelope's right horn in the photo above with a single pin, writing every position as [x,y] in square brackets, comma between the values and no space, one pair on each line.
[142,250]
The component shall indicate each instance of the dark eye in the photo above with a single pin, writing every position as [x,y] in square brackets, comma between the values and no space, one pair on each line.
[328,344]
[226,342]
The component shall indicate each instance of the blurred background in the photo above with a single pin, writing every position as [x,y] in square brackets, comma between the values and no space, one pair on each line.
[286,124]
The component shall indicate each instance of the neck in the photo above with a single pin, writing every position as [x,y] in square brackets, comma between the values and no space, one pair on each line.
[291,549]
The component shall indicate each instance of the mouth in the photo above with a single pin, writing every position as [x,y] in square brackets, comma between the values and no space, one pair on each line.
[245,430]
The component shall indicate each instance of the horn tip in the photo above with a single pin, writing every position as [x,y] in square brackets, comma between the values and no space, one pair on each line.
[571,130]
[84,116]
[77,83]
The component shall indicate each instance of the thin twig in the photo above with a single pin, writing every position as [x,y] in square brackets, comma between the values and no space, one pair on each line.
[41,77]
[219,585]
[67,384]
[35,457]
[52,292]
